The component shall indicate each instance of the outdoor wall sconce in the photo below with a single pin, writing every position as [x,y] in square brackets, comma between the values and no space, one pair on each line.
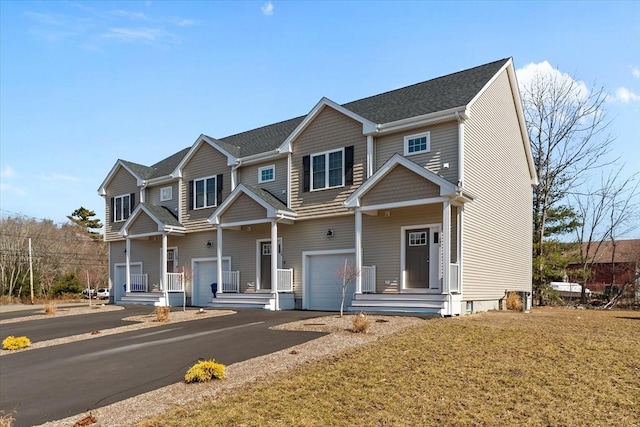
[330,232]
[209,244]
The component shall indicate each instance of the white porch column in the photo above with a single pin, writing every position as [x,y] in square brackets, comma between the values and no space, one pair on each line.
[446,245]
[127,255]
[163,278]
[359,251]
[274,262]
[219,257]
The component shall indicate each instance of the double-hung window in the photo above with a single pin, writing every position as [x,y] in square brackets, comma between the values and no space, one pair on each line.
[204,192]
[418,143]
[121,207]
[327,169]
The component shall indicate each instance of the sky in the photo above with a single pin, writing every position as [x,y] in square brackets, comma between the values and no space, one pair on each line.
[85,83]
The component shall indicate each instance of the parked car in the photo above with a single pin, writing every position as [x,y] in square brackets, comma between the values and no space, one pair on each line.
[89,292]
[103,293]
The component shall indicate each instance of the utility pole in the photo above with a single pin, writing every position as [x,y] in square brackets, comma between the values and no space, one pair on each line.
[30,270]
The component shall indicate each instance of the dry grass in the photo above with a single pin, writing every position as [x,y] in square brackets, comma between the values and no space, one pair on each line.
[361,323]
[50,307]
[514,302]
[553,367]
[162,314]
[6,420]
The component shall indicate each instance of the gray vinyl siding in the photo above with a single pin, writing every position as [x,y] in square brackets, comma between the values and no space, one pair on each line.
[497,224]
[121,184]
[153,196]
[381,237]
[206,162]
[328,131]
[249,175]
[443,149]
[400,185]
[143,225]
[244,208]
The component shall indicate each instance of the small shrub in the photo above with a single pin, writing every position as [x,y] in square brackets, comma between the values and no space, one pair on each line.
[205,370]
[162,314]
[361,323]
[514,302]
[6,420]
[15,343]
[50,307]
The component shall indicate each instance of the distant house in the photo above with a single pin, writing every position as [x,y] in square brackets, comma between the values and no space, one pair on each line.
[613,265]
[424,191]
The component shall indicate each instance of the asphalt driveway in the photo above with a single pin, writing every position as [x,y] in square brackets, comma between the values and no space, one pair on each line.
[59,381]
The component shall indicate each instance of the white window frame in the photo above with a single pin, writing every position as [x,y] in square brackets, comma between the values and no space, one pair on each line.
[326,170]
[120,214]
[166,194]
[264,169]
[409,138]
[215,192]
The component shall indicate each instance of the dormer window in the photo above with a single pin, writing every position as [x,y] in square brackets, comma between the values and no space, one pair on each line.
[418,143]
[205,192]
[329,169]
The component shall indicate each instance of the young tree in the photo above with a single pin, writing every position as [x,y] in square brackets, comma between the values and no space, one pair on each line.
[566,123]
[346,273]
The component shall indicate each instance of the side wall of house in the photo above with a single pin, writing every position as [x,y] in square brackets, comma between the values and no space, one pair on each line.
[152,196]
[121,184]
[249,175]
[497,224]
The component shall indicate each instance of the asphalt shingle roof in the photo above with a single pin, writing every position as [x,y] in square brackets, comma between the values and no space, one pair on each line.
[439,94]
[162,214]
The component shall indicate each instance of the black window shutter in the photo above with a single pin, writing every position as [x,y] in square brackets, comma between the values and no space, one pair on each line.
[348,165]
[113,209]
[218,189]
[132,202]
[306,173]
[190,207]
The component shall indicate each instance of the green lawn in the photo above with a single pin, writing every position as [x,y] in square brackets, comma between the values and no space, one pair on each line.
[551,367]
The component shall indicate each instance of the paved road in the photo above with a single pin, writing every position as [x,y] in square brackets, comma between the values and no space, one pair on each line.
[56,382]
[64,326]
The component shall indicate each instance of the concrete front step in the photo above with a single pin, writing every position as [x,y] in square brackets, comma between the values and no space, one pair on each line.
[143,298]
[249,300]
[401,303]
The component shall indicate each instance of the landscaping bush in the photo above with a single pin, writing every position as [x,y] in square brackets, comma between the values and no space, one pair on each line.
[514,302]
[50,307]
[15,343]
[361,323]
[67,284]
[162,314]
[205,370]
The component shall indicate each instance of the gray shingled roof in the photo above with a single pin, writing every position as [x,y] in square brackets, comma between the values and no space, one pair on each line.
[269,198]
[162,214]
[439,94]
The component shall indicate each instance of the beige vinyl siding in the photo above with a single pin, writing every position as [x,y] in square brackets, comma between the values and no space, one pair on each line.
[329,130]
[143,225]
[153,196]
[122,183]
[381,237]
[244,208]
[400,185]
[206,162]
[443,149]
[497,224]
[249,175]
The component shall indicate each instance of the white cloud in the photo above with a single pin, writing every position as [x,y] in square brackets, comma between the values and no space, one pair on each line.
[267,8]
[182,22]
[44,18]
[6,188]
[532,72]
[8,172]
[58,177]
[139,34]
[129,14]
[624,95]
[635,72]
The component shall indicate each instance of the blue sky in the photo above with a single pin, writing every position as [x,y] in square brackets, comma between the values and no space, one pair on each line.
[85,83]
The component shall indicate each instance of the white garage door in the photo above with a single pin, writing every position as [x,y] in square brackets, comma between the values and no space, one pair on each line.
[120,278]
[205,273]
[325,281]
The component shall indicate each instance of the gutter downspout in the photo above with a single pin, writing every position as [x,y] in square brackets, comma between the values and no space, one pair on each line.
[234,174]
[460,120]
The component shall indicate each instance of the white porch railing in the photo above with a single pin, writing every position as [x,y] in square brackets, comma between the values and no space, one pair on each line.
[175,282]
[230,281]
[454,282]
[368,276]
[285,279]
[139,282]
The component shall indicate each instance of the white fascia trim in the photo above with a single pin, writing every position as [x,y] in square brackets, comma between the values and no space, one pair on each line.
[445,186]
[247,222]
[231,159]
[367,125]
[261,157]
[424,120]
[102,190]
[159,180]
[403,204]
